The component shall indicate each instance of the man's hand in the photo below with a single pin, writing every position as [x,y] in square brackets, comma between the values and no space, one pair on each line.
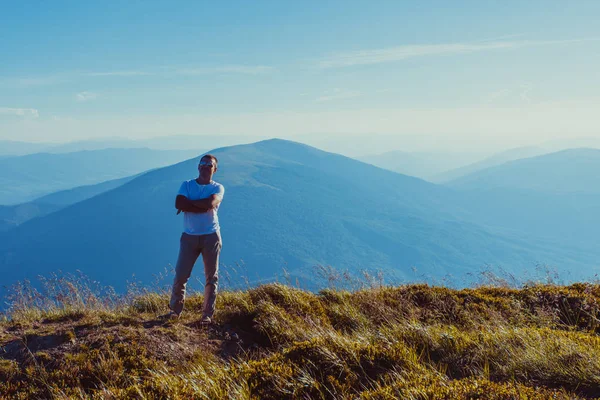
[182,203]
[209,203]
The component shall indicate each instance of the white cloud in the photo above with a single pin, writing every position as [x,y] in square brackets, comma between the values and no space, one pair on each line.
[515,95]
[157,72]
[337,94]
[497,95]
[85,96]
[398,53]
[20,112]
[119,73]
[32,81]
[525,91]
[233,69]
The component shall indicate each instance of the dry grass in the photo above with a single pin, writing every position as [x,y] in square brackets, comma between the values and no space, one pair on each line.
[276,342]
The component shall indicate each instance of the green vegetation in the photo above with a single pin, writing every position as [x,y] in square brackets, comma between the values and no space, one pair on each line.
[276,341]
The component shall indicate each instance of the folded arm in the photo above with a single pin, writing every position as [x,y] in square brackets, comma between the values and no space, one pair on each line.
[208,203]
[182,203]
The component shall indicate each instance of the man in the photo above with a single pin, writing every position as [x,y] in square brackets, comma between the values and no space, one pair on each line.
[199,199]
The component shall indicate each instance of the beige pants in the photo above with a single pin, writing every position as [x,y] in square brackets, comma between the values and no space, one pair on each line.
[190,247]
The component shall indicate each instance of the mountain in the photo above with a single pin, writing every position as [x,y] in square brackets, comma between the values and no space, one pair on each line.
[27,177]
[491,161]
[554,196]
[574,170]
[15,148]
[286,205]
[198,143]
[418,164]
[11,216]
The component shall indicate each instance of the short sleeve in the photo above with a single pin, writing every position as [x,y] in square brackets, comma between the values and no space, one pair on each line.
[220,191]
[183,190]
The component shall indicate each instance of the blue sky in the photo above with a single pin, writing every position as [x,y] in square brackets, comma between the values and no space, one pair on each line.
[510,72]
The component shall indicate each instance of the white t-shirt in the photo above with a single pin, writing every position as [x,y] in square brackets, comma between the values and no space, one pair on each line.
[201,223]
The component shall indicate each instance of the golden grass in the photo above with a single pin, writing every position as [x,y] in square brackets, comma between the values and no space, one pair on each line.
[409,342]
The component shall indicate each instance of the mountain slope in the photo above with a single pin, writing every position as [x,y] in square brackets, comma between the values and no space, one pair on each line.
[27,177]
[554,196]
[492,161]
[418,164]
[11,216]
[286,205]
[15,148]
[567,171]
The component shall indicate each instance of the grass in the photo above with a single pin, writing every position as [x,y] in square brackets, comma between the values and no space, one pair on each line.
[276,342]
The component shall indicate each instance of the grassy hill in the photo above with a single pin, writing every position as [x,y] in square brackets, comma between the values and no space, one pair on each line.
[280,342]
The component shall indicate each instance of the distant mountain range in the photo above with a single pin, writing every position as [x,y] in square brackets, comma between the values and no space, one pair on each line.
[174,142]
[288,206]
[554,196]
[12,216]
[419,164]
[25,178]
[16,148]
[566,171]
[491,161]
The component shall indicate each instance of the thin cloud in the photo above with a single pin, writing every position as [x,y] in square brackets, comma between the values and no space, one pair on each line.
[337,94]
[514,95]
[233,69]
[85,96]
[157,72]
[20,112]
[119,73]
[404,52]
[31,81]
[526,90]
[497,95]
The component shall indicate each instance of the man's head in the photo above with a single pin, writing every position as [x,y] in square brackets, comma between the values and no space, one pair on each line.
[207,167]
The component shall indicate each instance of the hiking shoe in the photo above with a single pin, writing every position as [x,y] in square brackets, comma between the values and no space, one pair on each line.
[206,320]
[169,316]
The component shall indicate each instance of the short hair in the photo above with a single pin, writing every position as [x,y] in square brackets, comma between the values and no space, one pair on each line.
[211,157]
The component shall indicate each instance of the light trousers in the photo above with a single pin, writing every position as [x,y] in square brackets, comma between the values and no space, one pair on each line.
[190,248]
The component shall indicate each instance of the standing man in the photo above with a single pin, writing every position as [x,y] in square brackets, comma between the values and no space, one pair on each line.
[199,200]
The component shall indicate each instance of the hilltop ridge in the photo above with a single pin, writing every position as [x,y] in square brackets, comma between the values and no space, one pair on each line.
[277,341]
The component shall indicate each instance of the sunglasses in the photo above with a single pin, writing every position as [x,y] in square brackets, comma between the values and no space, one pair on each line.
[206,163]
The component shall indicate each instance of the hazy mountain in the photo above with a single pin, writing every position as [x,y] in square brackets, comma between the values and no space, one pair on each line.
[286,205]
[418,164]
[491,161]
[554,196]
[14,148]
[574,170]
[198,143]
[12,216]
[572,143]
[27,177]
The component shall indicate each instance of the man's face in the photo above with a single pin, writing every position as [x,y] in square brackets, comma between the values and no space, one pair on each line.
[207,167]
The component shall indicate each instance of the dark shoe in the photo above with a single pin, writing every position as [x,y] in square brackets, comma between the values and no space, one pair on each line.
[206,320]
[171,315]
